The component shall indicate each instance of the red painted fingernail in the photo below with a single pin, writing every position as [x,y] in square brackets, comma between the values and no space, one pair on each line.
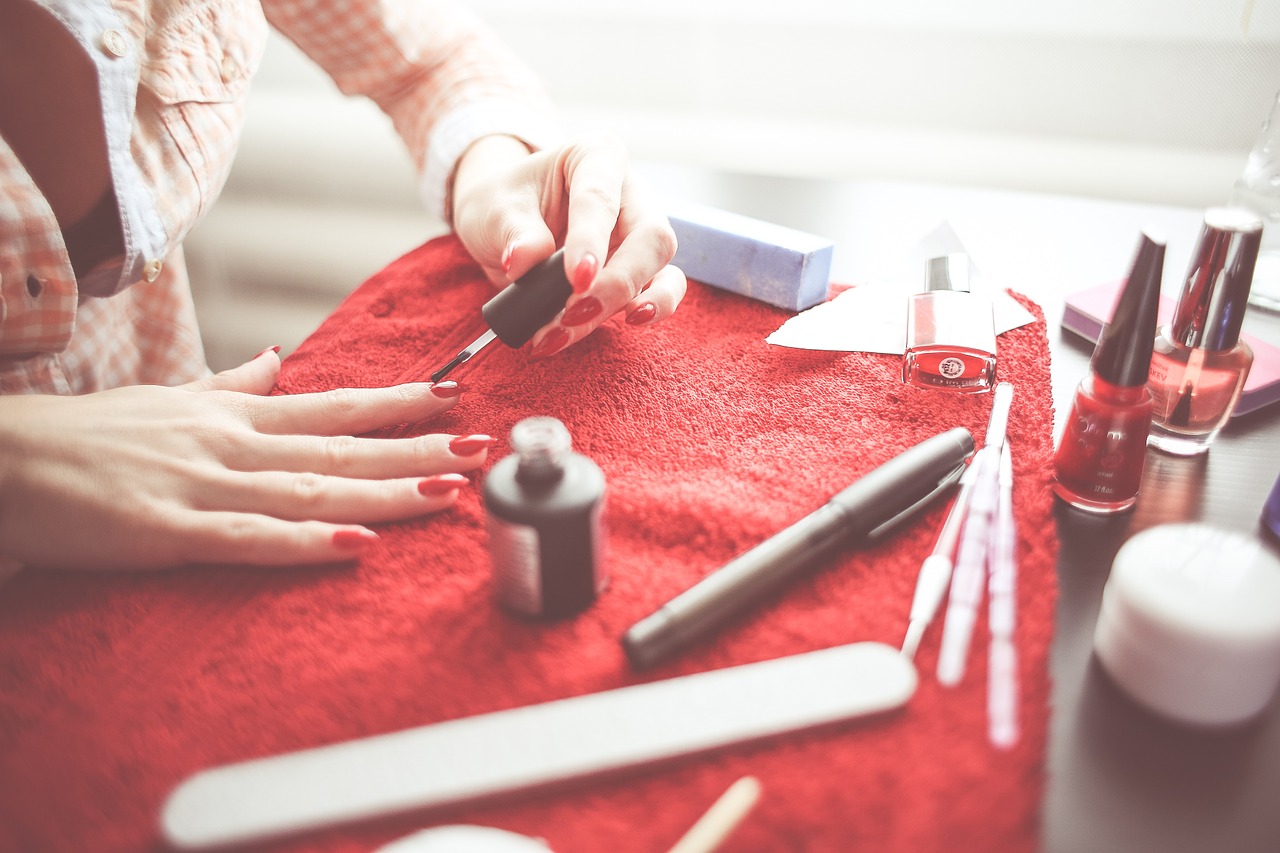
[465,445]
[506,257]
[446,389]
[641,314]
[441,484]
[585,273]
[555,340]
[354,539]
[264,352]
[584,310]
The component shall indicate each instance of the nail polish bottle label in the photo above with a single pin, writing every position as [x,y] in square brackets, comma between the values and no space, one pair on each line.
[551,570]
[1099,461]
[517,572]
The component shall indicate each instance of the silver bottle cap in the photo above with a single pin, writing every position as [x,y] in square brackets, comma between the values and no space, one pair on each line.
[947,272]
[1215,292]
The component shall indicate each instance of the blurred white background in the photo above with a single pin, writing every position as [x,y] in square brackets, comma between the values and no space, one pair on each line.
[1142,100]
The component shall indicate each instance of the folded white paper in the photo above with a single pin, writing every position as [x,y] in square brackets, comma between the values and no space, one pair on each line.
[873,317]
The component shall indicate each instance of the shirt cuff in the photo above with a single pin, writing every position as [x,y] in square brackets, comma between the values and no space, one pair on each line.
[456,132]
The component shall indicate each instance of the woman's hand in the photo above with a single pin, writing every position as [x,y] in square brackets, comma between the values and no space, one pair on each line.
[512,209]
[215,471]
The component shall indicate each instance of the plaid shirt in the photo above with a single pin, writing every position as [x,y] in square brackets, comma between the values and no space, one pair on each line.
[173,78]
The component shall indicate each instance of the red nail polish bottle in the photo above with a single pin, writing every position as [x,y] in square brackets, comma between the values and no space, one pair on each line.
[1200,365]
[951,336]
[544,506]
[1098,464]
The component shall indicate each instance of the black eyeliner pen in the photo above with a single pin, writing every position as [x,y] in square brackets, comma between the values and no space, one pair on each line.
[874,504]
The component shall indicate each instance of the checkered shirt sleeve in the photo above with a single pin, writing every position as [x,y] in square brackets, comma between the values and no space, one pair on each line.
[432,66]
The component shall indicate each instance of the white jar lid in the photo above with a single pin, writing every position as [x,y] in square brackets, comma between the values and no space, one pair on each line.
[1190,623]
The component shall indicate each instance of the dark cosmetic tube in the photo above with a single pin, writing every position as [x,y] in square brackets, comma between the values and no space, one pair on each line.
[883,496]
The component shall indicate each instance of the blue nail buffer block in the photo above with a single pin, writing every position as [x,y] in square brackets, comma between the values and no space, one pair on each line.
[772,263]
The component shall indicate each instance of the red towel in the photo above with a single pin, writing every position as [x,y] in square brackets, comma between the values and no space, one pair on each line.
[116,687]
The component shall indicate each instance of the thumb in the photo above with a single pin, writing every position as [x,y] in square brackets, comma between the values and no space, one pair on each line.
[256,376]
[526,248]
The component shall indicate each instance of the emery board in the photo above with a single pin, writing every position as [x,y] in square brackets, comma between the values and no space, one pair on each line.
[506,751]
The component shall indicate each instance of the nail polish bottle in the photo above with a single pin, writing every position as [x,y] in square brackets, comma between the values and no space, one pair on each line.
[1271,511]
[1098,463]
[1200,364]
[546,540]
[951,336]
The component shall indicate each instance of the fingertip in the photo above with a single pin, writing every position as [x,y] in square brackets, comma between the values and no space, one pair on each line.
[551,343]
[467,445]
[584,272]
[446,389]
[441,485]
[256,376]
[524,251]
[642,315]
[659,297]
[353,540]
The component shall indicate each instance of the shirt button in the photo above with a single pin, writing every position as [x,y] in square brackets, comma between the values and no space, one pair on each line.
[230,69]
[115,43]
[151,271]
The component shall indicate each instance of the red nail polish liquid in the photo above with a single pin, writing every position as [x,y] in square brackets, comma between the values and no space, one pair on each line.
[951,337]
[546,539]
[1099,460]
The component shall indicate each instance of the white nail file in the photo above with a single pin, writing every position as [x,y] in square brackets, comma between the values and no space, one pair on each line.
[521,748]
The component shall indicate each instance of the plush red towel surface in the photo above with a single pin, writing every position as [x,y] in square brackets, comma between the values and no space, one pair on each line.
[116,687]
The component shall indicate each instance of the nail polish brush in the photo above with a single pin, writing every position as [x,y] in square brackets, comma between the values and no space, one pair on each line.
[971,551]
[519,310]
[935,572]
[934,579]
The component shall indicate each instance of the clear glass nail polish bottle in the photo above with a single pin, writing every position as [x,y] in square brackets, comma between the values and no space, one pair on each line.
[1200,364]
[951,336]
[1099,459]
[545,505]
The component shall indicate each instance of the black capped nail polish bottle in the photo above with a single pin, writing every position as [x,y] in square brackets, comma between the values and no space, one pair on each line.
[545,505]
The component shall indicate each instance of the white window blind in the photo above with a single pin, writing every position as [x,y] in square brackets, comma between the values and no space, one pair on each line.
[1155,100]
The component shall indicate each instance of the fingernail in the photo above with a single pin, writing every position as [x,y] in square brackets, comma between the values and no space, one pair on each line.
[506,257]
[441,484]
[465,445]
[641,314]
[584,310]
[446,389]
[555,340]
[264,352]
[354,539]
[585,273]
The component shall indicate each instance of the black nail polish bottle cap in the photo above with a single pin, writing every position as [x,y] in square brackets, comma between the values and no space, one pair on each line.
[522,308]
[1123,354]
[1216,290]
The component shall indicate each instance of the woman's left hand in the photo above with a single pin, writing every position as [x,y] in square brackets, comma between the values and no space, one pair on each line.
[513,209]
